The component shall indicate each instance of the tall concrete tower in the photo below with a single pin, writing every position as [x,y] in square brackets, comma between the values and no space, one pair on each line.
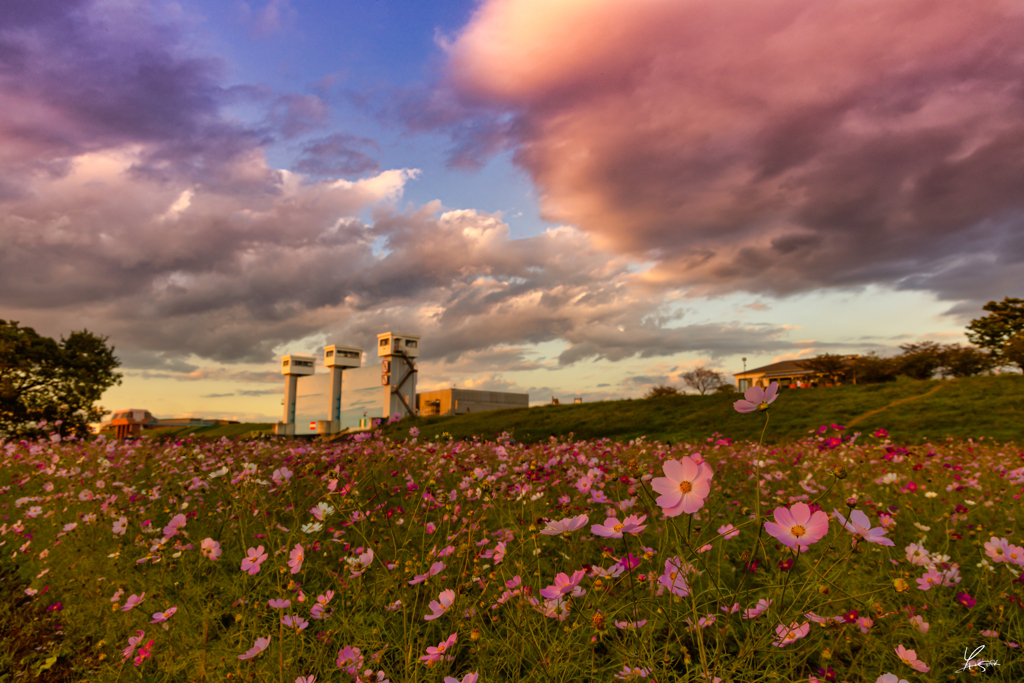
[338,358]
[398,371]
[292,367]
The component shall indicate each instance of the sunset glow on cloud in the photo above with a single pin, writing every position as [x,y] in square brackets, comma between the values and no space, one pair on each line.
[573,196]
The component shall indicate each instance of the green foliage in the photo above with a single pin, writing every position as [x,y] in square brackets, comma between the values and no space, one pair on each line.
[992,405]
[965,361]
[1005,319]
[58,382]
[661,391]
[1013,350]
[920,361]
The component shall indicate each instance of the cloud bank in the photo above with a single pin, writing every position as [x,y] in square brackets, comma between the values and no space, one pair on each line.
[765,147]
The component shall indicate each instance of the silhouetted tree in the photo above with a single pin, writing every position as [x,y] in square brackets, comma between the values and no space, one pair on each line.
[832,367]
[1013,350]
[871,369]
[965,361]
[921,360]
[993,331]
[703,379]
[661,391]
[43,379]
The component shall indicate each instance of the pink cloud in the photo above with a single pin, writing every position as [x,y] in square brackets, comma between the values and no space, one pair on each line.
[772,147]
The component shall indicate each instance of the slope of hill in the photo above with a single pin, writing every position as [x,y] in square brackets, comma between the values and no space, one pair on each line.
[912,411]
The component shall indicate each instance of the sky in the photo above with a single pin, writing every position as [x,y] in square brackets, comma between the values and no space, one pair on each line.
[570,198]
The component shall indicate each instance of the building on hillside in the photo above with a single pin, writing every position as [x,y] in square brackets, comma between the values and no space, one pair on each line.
[788,373]
[461,401]
[130,423]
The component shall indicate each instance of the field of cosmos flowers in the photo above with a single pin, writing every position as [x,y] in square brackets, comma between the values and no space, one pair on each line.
[838,557]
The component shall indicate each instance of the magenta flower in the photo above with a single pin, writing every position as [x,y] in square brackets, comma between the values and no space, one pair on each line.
[435,569]
[259,646]
[757,398]
[177,522]
[797,527]
[565,586]
[252,562]
[279,604]
[210,549]
[163,616]
[565,526]
[133,642]
[294,621]
[909,657]
[441,605]
[468,678]
[132,601]
[791,633]
[349,659]
[144,652]
[612,528]
[684,487]
[437,654]
[966,600]
[860,525]
[296,558]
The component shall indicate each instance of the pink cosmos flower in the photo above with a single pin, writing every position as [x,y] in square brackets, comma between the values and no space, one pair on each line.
[729,530]
[791,633]
[252,562]
[132,601]
[916,554]
[468,678]
[210,549]
[177,522]
[437,654]
[441,605]
[673,578]
[296,558]
[565,586]
[294,621]
[684,487]
[279,604]
[133,641]
[565,526]
[117,595]
[144,652]
[306,679]
[612,528]
[997,548]
[435,569]
[499,552]
[629,625]
[930,578]
[163,616]
[909,657]
[797,527]
[865,624]
[259,646]
[860,525]
[890,678]
[754,612]
[281,476]
[757,398]
[349,659]
[920,624]
[120,526]
[1015,555]
[360,564]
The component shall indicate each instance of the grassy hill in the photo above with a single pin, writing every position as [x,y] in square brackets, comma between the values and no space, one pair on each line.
[912,411]
[213,431]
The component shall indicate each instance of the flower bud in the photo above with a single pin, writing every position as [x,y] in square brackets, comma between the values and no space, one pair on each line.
[824,590]
[475,635]
[901,585]
[598,621]
[839,473]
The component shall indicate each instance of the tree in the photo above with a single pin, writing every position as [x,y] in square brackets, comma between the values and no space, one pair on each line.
[920,361]
[703,379]
[833,367]
[1013,350]
[993,331]
[661,391]
[871,369]
[964,361]
[59,382]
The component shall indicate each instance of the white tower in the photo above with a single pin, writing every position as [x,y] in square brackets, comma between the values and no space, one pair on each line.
[337,358]
[398,371]
[292,367]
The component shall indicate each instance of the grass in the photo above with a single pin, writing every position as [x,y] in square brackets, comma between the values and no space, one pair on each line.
[991,406]
[212,431]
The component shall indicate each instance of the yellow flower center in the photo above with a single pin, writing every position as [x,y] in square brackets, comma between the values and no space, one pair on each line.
[763,406]
[798,531]
[618,527]
[685,486]
[673,575]
[440,648]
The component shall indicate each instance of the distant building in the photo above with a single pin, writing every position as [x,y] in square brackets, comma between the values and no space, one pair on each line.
[460,401]
[131,422]
[787,373]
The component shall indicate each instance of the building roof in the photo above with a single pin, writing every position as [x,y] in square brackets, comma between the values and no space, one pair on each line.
[785,368]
